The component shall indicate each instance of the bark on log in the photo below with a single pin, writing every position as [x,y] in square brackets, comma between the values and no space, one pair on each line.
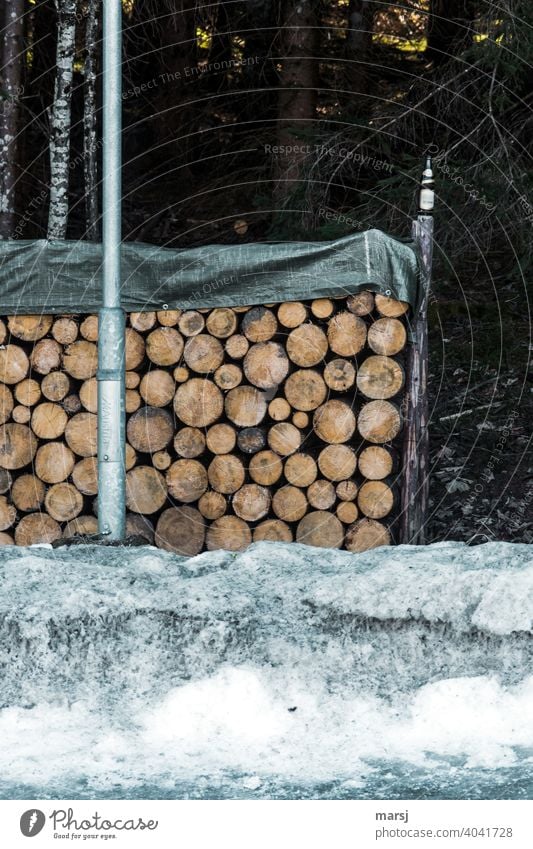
[300,470]
[29,328]
[387,336]
[266,365]
[226,473]
[18,445]
[334,422]
[85,476]
[49,421]
[222,323]
[279,409]
[80,359]
[305,390]
[46,356]
[320,529]
[380,377]
[273,530]
[164,346]
[55,386]
[228,376]
[221,439]
[14,364]
[27,392]
[284,438]
[181,530]
[251,502]
[150,429]
[63,502]
[199,402]
[189,442]
[365,534]
[362,303]
[379,421]
[307,345]
[291,314]
[229,533]
[289,503]
[375,463]
[321,494]
[375,499]
[259,324]
[186,480]
[146,491]
[203,353]
[81,434]
[54,462]
[245,406]
[37,528]
[236,346]
[212,505]
[337,462]
[346,334]
[265,468]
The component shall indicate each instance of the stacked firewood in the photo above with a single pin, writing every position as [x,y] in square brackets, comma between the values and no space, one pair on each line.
[277,422]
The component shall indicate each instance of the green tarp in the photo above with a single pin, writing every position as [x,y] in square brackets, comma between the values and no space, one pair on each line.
[64,277]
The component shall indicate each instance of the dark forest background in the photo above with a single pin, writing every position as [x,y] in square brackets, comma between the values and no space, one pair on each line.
[256,120]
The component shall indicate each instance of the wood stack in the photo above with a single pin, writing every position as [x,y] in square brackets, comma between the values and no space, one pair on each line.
[255,423]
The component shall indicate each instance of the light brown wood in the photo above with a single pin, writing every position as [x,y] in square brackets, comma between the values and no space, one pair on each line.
[229,533]
[292,314]
[322,308]
[21,414]
[305,390]
[186,480]
[362,303]
[266,365]
[251,440]
[150,429]
[259,324]
[365,534]
[226,473]
[55,386]
[142,321]
[37,528]
[251,502]
[236,346]
[222,323]
[346,334]
[140,526]
[379,421]
[191,323]
[347,512]
[65,330]
[346,490]
[146,490]
[181,530]
[212,505]
[18,445]
[321,494]
[81,526]
[245,406]
[6,480]
[14,364]
[6,403]
[300,420]
[203,353]
[132,381]
[307,345]
[284,438]
[387,336]
[29,328]
[63,502]
[279,409]
[289,503]
[54,462]
[300,469]
[8,514]
[380,377]
[375,462]
[320,529]
[273,530]
[27,392]
[131,457]
[3,332]
[89,395]
[48,420]
[181,374]
[390,307]
[337,462]
[85,476]
[189,442]
[46,356]
[375,499]
[135,349]
[199,402]
[164,346]
[161,460]
[221,438]
[72,404]
[241,309]
[132,400]
[265,468]
[339,375]
[228,376]
[334,422]
[81,434]
[89,328]
[80,359]
[6,539]
[168,318]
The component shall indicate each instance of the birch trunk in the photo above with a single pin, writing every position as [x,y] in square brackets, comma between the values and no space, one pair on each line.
[90,140]
[10,83]
[61,120]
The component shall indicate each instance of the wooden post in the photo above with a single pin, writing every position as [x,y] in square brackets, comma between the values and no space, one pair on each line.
[415,485]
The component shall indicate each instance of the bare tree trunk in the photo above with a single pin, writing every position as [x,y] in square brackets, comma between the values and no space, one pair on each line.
[90,140]
[359,44]
[12,46]
[298,95]
[61,120]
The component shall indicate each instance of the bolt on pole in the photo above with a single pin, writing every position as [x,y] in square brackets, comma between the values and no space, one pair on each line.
[111,323]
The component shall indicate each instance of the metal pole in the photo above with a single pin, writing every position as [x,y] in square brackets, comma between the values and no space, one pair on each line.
[415,486]
[111,369]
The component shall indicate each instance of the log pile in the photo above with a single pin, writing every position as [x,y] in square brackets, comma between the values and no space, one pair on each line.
[276,422]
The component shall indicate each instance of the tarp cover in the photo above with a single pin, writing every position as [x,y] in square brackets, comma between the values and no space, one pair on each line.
[64,276]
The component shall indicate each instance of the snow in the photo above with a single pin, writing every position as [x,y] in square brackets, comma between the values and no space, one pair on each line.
[128,668]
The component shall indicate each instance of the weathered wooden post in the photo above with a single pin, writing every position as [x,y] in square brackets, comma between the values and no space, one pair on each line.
[415,484]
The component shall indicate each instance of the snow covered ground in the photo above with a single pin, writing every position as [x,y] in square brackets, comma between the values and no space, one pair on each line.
[285,671]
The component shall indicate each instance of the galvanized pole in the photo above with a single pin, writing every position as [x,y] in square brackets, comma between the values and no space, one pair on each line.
[415,485]
[111,370]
